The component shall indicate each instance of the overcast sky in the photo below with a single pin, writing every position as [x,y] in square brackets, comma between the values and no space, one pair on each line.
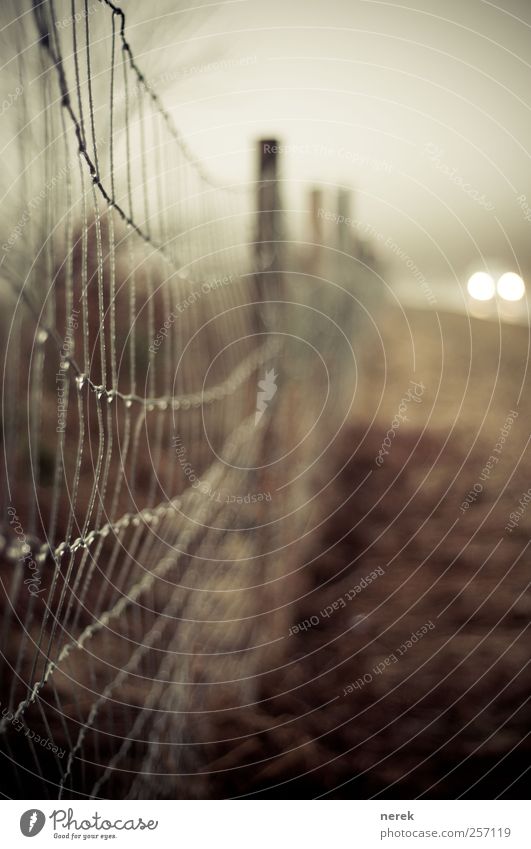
[422,109]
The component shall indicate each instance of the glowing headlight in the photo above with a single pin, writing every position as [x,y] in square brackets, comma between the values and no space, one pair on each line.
[481,286]
[510,286]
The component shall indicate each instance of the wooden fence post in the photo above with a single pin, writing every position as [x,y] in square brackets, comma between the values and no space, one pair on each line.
[316,230]
[268,230]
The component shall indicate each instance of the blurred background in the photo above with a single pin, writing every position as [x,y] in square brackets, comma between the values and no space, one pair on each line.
[275,250]
[422,112]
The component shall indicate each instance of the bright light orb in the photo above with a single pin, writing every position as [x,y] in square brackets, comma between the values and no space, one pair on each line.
[511,287]
[481,286]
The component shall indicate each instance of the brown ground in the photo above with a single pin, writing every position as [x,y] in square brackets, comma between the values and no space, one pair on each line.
[450,717]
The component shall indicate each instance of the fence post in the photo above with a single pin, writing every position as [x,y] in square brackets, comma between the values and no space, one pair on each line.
[344,236]
[267,278]
[267,199]
[267,248]
[349,274]
[316,231]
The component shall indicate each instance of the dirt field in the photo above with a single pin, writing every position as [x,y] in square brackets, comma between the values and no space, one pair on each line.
[356,710]
[402,669]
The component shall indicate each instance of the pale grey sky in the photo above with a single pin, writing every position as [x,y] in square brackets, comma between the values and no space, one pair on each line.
[423,108]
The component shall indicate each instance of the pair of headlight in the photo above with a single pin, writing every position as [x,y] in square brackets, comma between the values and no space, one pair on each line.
[509,286]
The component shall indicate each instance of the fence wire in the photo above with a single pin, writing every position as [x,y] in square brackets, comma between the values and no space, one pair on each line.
[139,544]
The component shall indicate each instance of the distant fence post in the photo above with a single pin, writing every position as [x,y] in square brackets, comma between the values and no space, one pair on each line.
[268,288]
[347,270]
[316,230]
[345,238]
[267,248]
[344,235]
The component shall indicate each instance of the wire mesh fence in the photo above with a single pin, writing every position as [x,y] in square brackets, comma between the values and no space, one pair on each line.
[142,546]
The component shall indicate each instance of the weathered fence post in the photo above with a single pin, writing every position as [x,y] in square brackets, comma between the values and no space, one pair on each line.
[267,199]
[349,274]
[268,230]
[344,235]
